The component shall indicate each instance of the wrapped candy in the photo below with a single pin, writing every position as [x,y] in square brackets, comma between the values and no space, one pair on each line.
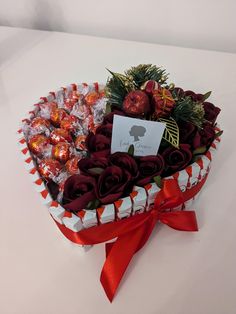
[80,110]
[72,165]
[69,103]
[60,135]
[57,115]
[80,142]
[49,168]
[71,124]
[46,109]
[39,145]
[62,152]
[91,98]
[39,125]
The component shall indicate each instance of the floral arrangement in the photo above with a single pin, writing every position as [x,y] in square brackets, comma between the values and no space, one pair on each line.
[67,148]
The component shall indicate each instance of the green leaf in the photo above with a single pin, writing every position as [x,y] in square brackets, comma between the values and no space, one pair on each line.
[95,170]
[158,181]
[207,95]
[131,150]
[218,134]
[200,150]
[171,133]
[108,108]
[93,204]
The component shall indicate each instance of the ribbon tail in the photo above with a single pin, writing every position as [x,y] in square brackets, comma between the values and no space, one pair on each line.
[180,220]
[119,255]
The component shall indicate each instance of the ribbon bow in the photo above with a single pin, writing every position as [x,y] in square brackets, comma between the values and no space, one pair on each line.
[132,233]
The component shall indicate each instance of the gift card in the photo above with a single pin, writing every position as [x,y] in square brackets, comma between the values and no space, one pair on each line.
[143,134]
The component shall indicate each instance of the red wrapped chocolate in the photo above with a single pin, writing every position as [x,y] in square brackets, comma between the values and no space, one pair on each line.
[60,135]
[62,152]
[38,144]
[49,168]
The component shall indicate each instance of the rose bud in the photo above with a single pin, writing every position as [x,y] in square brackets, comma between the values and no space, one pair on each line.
[187,132]
[98,145]
[177,159]
[136,103]
[108,118]
[179,92]
[79,190]
[125,161]
[191,94]
[105,130]
[149,167]
[112,184]
[93,166]
[204,137]
[150,86]
[211,112]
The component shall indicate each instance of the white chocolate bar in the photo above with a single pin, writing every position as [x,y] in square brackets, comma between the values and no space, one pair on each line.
[151,189]
[57,211]
[139,199]
[106,213]
[73,223]
[88,217]
[123,207]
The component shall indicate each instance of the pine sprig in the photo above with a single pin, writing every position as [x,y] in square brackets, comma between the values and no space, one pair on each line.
[190,111]
[144,72]
[119,85]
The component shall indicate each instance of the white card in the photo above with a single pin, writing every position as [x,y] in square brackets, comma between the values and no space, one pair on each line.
[143,134]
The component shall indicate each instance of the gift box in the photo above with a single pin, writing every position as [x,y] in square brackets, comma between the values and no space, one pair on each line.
[132,215]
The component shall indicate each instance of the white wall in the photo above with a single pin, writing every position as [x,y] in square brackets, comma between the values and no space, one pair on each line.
[209,24]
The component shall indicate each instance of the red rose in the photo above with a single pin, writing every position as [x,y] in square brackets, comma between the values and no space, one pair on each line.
[105,130]
[79,190]
[98,145]
[194,96]
[89,166]
[125,161]
[108,118]
[211,112]
[149,167]
[177,159]
[205,136]
[187,132]
[112,183]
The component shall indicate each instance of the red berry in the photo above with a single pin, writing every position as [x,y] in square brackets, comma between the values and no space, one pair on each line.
[136,103]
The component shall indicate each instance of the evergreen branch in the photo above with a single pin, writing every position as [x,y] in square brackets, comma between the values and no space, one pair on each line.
[190,111]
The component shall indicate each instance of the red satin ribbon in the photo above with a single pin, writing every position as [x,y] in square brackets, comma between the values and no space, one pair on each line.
[132,233]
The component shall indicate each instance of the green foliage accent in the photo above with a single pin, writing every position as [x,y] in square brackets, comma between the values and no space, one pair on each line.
[93,204]
[171,133]
[200,150]
[158,181]
[131,150]
[119,85]
[108,108]
[207,95]
[190,111]
[218,134]
[96,170]
[145,72]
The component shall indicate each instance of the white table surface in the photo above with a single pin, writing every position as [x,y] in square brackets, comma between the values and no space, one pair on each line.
[176,272]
